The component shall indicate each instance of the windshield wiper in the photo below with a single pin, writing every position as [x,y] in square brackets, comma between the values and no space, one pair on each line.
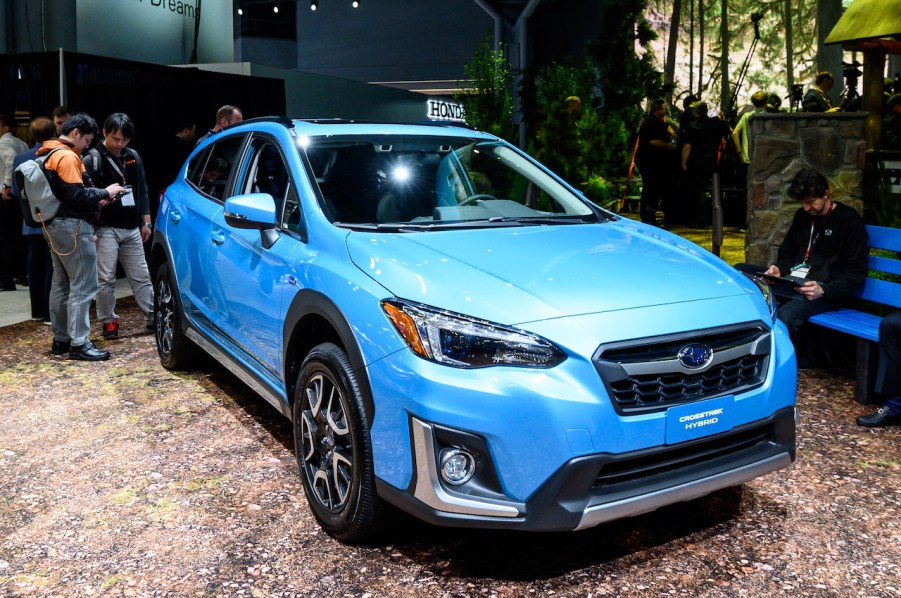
[418,227]
[495,221]
[541,220]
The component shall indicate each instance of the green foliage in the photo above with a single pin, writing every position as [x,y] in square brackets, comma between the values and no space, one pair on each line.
[488,103]
[602,192]
[882,208]
[596,144]
[625,78]
[558,145]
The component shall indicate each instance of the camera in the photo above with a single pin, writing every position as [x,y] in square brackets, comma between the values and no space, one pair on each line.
[851,70]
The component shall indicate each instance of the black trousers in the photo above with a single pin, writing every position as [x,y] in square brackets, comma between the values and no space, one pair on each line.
[40,275]
[888,375]
[10,243]
[653,189]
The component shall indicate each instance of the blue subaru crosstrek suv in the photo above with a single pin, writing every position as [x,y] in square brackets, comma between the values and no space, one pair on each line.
[456,332]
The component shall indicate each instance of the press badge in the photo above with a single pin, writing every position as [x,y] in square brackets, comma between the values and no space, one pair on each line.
[800,270]
[128,198]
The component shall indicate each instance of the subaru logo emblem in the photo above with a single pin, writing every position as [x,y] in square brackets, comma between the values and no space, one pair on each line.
[695,356]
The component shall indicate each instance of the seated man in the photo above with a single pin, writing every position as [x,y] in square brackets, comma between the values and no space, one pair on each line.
[888,376]
[826,244]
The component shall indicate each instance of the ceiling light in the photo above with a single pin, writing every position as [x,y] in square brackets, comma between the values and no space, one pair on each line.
[314,4]
[275,9]
[355,3]
[240,12]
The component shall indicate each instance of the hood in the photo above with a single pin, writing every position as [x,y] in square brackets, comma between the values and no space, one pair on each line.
[525,274]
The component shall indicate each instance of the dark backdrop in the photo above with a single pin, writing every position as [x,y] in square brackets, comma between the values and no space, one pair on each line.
[154,96]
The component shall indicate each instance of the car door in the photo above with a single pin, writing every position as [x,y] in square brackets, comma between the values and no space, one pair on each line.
[251,277]
[198,237]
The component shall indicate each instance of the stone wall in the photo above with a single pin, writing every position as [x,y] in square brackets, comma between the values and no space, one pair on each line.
[781,145]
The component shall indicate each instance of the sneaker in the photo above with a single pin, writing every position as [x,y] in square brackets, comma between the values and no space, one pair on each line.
[111,329]
[87,352]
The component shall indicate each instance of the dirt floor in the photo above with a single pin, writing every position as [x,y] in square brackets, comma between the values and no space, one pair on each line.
[124,479]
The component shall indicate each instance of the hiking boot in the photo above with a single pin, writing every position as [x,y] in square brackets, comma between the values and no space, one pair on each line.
[111,329]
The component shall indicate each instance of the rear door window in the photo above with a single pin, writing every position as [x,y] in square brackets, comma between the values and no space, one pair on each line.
[212,178]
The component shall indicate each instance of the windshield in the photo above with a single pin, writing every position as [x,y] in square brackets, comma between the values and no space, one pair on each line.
[416,182]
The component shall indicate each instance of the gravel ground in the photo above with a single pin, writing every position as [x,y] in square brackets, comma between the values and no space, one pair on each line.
[124,479]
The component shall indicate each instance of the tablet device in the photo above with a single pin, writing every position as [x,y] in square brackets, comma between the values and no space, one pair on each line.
[784,284]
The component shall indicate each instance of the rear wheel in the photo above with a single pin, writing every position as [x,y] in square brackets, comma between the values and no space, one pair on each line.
[176,351]
[334,452]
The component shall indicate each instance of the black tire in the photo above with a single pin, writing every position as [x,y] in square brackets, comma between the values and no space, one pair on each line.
[176,351]
[334,452]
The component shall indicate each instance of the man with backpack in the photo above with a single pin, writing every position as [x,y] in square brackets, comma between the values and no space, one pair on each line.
[40,264]
[71,237]
[123,226]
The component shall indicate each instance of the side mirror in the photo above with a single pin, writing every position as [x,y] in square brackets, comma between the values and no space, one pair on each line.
[253,211]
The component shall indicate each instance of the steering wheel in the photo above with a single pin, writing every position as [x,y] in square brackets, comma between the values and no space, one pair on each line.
[471,199]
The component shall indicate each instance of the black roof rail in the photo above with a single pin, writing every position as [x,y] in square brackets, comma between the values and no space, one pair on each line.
[283,120]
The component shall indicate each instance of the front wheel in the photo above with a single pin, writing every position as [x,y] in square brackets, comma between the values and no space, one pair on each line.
[176,351]
[334,453]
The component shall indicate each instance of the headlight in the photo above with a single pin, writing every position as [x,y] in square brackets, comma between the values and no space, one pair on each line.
[458,340]
[767,294]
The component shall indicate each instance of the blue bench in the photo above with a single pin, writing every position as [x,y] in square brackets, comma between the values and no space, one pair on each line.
[865,326]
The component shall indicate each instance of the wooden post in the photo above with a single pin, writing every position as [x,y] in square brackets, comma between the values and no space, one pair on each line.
[871,99]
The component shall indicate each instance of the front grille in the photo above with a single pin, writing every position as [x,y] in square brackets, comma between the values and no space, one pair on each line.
[650,391]
[645,376]
[668,462]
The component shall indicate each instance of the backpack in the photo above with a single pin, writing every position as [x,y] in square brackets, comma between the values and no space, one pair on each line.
[39,202]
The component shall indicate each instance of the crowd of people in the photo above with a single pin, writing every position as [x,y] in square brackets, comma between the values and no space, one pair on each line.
[102,225]
[677,160]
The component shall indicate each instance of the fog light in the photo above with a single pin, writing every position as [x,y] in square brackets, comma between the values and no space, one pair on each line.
[457,466]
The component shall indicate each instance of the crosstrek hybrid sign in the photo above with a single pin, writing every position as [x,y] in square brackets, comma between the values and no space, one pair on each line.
[157,31]
[695,420]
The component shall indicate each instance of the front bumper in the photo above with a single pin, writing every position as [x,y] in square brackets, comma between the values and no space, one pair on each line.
[593,489]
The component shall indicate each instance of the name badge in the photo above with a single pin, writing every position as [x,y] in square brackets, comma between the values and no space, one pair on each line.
[128,198]
[800,271]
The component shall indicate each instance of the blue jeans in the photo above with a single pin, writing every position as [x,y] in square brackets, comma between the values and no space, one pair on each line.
[74,278]
[122,245]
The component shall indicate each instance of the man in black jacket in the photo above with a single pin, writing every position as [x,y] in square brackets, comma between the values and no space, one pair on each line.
[124,226]
[71,238]
[826,244]
[654,159]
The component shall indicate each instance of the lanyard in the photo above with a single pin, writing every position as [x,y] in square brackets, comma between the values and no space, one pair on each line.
[115,166]
[812,242]
[813,238]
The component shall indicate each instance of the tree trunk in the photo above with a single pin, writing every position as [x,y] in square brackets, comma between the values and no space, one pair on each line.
[724,57]
[701,49]
[789,47]
[691,45]
[670,68]
[829,58]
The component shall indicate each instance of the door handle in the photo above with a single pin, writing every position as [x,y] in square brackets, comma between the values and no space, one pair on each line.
[217,237]
[174,216]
